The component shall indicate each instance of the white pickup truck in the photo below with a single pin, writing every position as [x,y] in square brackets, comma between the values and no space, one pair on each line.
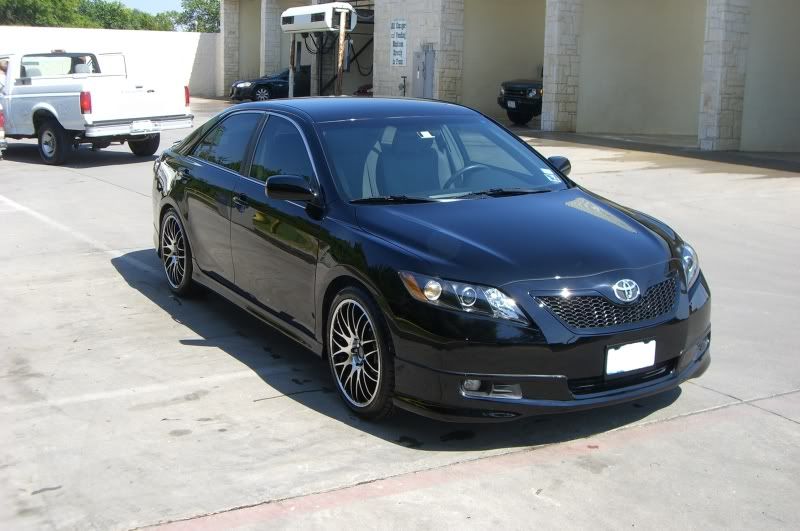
[66,99]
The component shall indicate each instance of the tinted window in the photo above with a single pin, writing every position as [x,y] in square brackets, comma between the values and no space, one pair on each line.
[226,144]
[281,151]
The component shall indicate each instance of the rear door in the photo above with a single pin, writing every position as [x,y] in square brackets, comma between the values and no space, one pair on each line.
[275,243]
[210,173]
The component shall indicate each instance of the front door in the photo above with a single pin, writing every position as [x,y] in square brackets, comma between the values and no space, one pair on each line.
[210,174]
[275,243]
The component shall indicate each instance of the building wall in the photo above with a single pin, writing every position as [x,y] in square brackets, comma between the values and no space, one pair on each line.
[641,66]
[505,41]
[192,59]
[436,22]
[249,39]
[771,116]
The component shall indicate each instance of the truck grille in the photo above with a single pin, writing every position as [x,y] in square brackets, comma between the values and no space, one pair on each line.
[596,311]
[516,94]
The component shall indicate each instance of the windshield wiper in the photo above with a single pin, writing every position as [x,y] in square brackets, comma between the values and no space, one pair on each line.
[392,199]
[505,192]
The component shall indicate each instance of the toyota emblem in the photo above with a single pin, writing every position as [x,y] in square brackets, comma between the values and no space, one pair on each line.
[626,290]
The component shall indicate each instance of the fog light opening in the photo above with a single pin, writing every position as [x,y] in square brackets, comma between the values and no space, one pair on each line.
[472,385]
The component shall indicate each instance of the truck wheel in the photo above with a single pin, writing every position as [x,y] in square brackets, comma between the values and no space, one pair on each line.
[520,117]
[54,143]
[145,147]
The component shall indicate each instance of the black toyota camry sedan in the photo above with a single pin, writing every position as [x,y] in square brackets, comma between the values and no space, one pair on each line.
[435,261]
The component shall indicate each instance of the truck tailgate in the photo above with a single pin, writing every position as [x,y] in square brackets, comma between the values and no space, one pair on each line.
[117,98]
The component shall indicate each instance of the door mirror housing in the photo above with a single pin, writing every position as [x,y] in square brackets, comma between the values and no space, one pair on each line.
[561,163]
[290,188]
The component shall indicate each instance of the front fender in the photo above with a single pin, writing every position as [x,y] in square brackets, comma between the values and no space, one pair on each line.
[349,253]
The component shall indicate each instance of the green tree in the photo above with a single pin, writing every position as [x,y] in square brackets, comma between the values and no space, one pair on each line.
[199,15]
[42,13]
[115,15]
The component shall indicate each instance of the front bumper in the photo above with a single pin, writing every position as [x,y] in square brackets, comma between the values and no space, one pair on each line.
[241,93]
[550,377]
[533,105]
[147,126]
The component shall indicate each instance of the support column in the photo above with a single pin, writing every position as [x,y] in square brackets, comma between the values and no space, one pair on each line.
[724,68]
[270,37]
[450,63]
[229,40]
[561,64]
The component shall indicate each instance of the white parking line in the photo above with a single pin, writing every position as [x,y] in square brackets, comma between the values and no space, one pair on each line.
[145,389]
[114,253]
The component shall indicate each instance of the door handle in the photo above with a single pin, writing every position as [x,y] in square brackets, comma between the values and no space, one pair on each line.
[184,175]
[240,202]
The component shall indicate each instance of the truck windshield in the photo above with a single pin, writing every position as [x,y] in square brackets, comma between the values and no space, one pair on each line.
[58,64]
[436,158]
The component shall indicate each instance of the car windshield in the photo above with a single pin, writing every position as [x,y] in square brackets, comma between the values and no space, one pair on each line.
[436,158]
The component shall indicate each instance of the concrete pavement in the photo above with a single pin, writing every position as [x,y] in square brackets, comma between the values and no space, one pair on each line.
[122,406]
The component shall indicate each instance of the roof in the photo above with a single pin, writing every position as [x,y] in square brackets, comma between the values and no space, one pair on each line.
[334,109]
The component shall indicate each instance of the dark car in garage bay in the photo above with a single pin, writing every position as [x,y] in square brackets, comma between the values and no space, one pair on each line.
[521,99]
[272,86]
[433,259]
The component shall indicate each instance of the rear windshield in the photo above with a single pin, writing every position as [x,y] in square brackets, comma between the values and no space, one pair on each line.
[430,157]
[54,64]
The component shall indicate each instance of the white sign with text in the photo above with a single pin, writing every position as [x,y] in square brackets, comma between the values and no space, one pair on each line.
[399,35]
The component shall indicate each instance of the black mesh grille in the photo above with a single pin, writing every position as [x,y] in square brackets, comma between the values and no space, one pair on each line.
[596,311]
[600,384]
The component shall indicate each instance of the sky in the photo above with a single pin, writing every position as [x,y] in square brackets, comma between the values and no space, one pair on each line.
[153,6]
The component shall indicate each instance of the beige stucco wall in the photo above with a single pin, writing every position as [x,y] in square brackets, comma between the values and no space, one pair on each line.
[771,115]
[504,40]
[192,59]
[641,66]
[249,38]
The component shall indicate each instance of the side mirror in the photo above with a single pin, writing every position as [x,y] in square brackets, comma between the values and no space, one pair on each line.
[561,163]
[289,188]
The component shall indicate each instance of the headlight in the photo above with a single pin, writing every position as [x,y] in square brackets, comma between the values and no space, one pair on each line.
[502,91]
[471,298]
[691,265]
[532,93]
[244,84]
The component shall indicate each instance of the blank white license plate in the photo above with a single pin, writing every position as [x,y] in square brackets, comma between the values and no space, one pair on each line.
[511,104]
[142,125]
[630,357]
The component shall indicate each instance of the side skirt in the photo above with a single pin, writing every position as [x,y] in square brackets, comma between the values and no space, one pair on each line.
[312,344]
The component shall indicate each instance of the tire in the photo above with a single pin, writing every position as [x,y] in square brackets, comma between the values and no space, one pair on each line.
[146,147]
[54,143]
[261,94]
[175,253]
[369,393]
[520,117]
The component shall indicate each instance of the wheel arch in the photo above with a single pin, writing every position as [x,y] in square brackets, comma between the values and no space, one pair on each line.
[41,113]
[340,281]
[168,204]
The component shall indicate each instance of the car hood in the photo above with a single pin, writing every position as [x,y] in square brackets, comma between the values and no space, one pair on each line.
[522,84]
[495,241]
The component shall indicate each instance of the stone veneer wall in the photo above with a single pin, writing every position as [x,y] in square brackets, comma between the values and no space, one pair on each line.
[724,68]
[561,64]
[229,29]
[270,36]
[436,22]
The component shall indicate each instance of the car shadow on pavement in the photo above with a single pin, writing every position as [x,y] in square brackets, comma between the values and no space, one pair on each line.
[298,374]
[83,157]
